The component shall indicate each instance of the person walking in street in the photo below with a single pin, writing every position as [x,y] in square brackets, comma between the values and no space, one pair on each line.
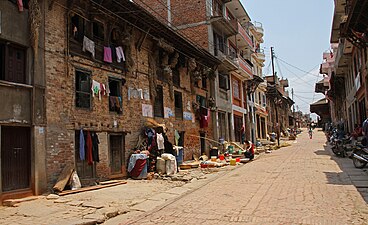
[310,132]
[249,150]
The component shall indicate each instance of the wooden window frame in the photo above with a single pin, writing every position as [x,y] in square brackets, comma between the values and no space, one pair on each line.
[160,113]
[119,93]
[225,86]
[178,105]
[77,87]
[4,57]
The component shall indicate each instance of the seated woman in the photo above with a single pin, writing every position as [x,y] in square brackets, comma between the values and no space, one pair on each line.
[249,150]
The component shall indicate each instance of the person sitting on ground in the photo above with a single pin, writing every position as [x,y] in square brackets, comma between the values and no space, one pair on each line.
[249,150]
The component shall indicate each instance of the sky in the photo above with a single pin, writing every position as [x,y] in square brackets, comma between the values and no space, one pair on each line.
[300,32]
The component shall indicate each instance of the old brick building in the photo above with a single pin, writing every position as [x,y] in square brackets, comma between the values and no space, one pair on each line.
[67,66]
[22,114]
[223,28]
[162,76]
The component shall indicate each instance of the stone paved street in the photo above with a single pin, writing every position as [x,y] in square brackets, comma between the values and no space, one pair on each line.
[301,184]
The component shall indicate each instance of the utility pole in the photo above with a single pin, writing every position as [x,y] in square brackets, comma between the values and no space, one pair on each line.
[276,110]
[292,94]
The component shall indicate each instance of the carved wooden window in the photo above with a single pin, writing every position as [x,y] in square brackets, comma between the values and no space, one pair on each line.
[224,82]
[115,95]
[77,28]
[176,75]
[201,101]
[236,89]
[12,63]
[98,30]
[159,102]
[82,89]
[178,105]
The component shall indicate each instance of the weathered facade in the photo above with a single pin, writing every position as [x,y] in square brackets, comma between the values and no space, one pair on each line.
[159,79]
[224,29]
[67,66]
[346,64]
[22,85]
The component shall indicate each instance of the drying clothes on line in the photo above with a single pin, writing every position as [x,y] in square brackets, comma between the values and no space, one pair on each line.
[116,104]
[177,137]
[120,54]
[103,89]
[20,5]
[95,143]
[82,153]
[107,54]
[88,45]
[96,89]
[204,122]
[160,141]
[107,89]
[89,148]
[135,93]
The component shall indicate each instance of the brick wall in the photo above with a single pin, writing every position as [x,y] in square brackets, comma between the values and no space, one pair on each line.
[63,118]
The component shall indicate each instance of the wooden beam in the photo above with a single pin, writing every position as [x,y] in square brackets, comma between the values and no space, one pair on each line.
[92,188]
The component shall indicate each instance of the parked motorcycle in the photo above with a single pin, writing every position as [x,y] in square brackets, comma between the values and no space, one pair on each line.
[360,156]
[341,146]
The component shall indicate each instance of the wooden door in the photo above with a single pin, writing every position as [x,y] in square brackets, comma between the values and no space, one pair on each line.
[238,123]
[117,153]
[15,158]
[15,59]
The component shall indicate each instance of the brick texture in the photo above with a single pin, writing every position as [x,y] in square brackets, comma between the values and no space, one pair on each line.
[63,118]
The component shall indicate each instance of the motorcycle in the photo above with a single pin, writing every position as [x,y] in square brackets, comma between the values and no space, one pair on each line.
[360,156]
[341,146]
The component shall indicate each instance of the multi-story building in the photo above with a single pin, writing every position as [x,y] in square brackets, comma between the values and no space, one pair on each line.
[279,105]
[257,99]
[348,90]
[22,90]
[93,72]
[224,29]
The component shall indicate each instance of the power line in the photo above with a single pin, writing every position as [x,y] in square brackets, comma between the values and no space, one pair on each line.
[306,82]
[307,72]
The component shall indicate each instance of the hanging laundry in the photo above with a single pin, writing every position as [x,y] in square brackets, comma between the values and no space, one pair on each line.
[88,45]
[20,5]
[95,151]
[82,153]
[120,54]
[107,54]
[96,89]
[120,109]
[102,89]
[89,148]
[204,121]
[107,89]
[160,141]
[112,103]
[177,137]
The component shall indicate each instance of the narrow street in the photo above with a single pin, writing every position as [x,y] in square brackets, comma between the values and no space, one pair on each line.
[301,184]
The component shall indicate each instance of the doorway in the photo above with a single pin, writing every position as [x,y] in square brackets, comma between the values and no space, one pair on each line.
[117,154]
[15,158]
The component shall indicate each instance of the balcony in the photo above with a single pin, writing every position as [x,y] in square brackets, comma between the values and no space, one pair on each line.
[242,39]
[324,69]
[227,56]
[342,59]
[219,21]
[257,30]
[244,69]
[259,55]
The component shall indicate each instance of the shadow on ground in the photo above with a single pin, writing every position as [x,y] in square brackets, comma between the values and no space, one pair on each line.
[349,175]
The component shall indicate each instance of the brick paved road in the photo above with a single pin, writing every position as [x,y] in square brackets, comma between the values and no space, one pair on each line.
[302,184]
